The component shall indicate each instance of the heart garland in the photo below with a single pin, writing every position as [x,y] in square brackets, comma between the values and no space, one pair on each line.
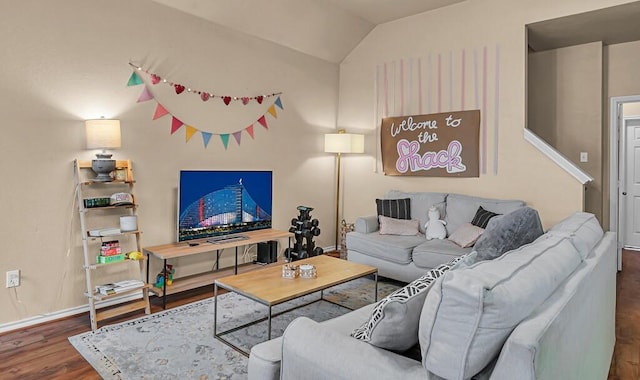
[204,95]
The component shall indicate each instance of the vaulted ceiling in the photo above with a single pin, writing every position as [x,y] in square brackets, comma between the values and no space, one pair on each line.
[327,29]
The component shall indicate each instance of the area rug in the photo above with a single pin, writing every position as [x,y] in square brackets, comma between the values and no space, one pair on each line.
[179,343]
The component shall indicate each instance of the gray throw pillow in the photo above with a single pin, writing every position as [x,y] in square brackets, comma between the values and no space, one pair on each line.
[394,321]
[507,232]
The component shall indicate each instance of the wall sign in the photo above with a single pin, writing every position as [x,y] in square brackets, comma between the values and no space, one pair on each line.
[435,145]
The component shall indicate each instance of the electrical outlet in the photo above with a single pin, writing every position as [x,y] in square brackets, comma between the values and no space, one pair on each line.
[13,278]
[584,157]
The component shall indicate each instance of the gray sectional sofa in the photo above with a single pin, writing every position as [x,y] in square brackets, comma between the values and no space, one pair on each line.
[406,258]
[545,310]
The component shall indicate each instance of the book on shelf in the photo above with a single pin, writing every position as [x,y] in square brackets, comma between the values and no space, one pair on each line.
[110,259]
[118,287]
[110,248]
[110,251]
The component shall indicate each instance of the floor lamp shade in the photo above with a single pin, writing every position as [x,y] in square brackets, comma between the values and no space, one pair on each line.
[103,134]
[340,143]
[343,143]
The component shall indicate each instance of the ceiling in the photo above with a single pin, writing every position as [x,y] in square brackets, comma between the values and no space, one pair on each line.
[612,25]
[326,29]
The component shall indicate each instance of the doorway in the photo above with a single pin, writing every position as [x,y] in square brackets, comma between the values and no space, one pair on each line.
[624,139]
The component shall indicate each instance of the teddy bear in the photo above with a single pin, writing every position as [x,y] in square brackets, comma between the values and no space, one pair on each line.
[434,228]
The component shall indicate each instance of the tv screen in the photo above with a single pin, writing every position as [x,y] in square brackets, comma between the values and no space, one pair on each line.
[213,203]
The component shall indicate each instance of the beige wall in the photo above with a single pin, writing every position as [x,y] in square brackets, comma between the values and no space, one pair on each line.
[523,173]
[565,108]
[67,61]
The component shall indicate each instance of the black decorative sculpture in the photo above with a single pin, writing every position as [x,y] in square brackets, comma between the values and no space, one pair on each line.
[304,229]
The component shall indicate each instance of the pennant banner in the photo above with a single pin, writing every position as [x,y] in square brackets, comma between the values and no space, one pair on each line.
[206,136]
[175,124]
[190,131]
[135,80]
[249,130]
[225,140]
[160,112]
[146,95]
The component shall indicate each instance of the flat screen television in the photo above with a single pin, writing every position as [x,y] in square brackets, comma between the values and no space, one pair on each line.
[216,202]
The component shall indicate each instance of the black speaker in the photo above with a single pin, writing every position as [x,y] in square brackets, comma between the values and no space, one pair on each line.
[268,252]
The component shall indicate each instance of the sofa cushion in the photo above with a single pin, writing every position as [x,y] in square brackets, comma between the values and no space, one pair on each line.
[393,226]
[583,229]
[393,324]
[482,217]
[469,313]
[508,232]
[432,253]
[462,208]
[420,203]
[394,208]
[467,235]
[393,248]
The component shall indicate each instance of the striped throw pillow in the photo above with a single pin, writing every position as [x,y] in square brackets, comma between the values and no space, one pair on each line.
[394,208]
[482,217]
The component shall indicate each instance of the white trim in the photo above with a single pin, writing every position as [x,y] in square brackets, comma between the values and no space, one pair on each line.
[48,317]
[614,159]
[557,157]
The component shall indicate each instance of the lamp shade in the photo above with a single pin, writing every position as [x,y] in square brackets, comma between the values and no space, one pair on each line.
[343,143]
[102,133]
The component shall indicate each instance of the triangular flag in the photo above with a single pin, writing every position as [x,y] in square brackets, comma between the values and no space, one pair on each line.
[249,130]
[263,121]
[237,136]
[160,112]
[134,79]
[146,95]
[272,111]
[190,132]
[225,140]
[175,125]
[278,103]
[206,136]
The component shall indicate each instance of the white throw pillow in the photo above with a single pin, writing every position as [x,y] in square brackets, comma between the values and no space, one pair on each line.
[466,235]
[394,321]
[469,313]
[392,226]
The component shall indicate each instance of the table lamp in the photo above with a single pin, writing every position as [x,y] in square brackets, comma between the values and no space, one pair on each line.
[103,134]
[340,143]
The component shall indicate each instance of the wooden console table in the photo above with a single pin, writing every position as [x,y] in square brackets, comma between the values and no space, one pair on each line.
[197,246]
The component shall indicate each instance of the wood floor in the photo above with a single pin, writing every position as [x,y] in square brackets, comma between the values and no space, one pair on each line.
[43,351]
[626,356]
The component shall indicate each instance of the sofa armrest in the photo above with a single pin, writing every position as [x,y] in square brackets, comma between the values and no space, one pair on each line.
[314,351]
[366,224]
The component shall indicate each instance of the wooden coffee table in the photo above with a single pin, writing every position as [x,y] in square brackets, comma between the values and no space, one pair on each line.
[267,286]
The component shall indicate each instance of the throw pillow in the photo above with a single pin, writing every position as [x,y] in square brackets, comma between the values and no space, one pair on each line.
[482,217]
[394,208]
[393,226]
[394,321]
[466,235]
[508,232]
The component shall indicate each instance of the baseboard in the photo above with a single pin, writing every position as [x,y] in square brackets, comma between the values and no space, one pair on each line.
[48,317]
[27,322]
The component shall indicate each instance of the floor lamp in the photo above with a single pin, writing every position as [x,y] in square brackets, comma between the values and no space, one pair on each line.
[340,143]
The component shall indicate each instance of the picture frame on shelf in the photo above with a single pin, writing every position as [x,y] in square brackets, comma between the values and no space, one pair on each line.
[121,174]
